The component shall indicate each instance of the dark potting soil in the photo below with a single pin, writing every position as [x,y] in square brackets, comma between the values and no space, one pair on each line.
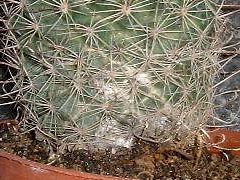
[147,160]
[143,161]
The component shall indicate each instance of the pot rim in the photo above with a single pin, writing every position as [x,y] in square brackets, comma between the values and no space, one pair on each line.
[11,166]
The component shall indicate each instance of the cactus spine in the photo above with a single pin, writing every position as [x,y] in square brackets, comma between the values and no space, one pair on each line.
[93,66]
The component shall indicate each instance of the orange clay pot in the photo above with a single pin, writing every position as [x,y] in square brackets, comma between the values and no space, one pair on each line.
[221,140]
[15,168]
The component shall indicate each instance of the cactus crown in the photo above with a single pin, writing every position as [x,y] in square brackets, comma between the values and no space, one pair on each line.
[95,66]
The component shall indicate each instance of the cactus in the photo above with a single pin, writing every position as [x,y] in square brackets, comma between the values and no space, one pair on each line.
[93,69]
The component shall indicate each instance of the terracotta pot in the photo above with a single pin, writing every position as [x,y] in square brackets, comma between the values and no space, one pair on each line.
[222,140]
[219,140]
[15,168]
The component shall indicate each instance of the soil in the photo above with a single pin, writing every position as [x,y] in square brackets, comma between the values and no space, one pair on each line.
[143,161]
[149,160]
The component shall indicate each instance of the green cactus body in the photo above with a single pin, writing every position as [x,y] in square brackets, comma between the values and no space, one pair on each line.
[88,62]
